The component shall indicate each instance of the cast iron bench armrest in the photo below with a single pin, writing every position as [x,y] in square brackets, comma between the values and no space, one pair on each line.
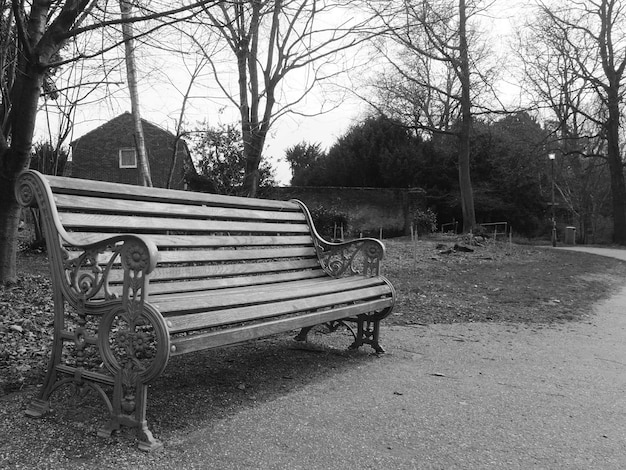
[84,276]
[355,257]
[87,275]
[361,256]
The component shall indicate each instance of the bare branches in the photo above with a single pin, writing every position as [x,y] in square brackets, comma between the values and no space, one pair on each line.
[433,74]
[576,66]
[568,58]
[170,14]
[273,42]
[20,25]
[422,47]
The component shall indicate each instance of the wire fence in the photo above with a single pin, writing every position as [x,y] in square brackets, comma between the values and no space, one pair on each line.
[497,229]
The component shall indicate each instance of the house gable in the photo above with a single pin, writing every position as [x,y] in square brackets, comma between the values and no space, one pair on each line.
[104,154]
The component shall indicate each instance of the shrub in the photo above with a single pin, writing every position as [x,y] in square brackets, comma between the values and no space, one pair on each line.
[326,219]
[424,221]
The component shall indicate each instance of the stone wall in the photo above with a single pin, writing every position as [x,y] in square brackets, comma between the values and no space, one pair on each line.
[366,210]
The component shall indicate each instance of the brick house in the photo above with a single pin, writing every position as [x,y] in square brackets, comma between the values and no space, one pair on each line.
[108,154]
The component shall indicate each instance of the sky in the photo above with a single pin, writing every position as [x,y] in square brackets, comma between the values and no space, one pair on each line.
[163,81]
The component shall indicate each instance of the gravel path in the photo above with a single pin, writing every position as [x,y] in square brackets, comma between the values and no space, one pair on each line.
[459,396]
[619,253]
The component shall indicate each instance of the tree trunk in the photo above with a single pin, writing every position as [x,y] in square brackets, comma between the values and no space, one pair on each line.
[9,221]
[131,74]
[253,142]
[616,168]
[18,135]
[170,174]
[14,159]
[252,148]
[613,64]
[465,182]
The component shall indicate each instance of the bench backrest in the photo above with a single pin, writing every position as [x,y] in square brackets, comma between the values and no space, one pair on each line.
[205,241]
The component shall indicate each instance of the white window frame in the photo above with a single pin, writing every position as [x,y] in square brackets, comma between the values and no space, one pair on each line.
[127,149]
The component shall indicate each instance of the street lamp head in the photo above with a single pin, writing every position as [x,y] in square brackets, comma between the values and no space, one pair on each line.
[552,156]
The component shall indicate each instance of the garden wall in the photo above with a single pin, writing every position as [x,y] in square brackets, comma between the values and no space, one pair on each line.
[365,210]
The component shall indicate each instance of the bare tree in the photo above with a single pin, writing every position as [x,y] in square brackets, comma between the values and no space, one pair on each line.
[461,68]
[270,40]
[578,71]
[33,34]
[180,132]
[555,88]
[435,58]
[131,75]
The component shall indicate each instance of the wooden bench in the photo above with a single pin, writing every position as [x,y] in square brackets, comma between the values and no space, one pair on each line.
[143,274]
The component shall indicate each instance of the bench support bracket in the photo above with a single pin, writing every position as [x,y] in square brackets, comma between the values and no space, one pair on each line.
[368,332]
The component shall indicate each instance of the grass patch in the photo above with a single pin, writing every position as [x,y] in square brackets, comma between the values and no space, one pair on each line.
[496,282]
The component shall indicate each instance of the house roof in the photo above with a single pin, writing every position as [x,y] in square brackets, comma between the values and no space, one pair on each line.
[125,118]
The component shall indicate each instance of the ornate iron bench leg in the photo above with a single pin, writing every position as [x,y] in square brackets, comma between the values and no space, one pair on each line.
[41,405]
[367,333]
[303,333]
[134,344]
[38,408]
[130,410]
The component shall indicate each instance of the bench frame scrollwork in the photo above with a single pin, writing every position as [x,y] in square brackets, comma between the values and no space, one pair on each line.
[129,337]
[363,257]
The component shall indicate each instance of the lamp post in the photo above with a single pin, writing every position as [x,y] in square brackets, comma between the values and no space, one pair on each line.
[552,157]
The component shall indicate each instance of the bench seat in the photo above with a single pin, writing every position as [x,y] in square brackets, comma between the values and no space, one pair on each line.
[143,274]
[315,302]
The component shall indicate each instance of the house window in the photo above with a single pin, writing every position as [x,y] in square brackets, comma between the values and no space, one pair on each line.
[128,158]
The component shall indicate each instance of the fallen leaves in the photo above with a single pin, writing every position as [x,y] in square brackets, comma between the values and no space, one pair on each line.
[26,314]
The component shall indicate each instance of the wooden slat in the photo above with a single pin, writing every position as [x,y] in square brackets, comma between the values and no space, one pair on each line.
[214,339]
[187,302]
[198,256]
[127,224]
[157,288]
[225,255]
[203,285]
[222,270]
[107,205]
[255,312]
[83,187]
[201,241]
